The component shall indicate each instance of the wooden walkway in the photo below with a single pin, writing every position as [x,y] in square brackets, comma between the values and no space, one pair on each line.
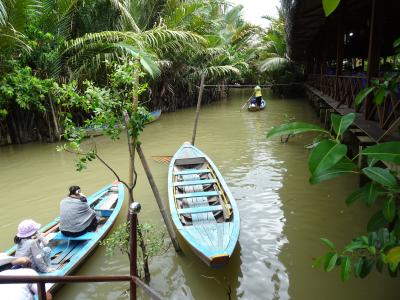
[370,128]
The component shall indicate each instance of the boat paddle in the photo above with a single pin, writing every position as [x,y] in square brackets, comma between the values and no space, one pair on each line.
[243,106]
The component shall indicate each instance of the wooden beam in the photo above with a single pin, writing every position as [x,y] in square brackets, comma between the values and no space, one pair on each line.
[339,50]
[376,22]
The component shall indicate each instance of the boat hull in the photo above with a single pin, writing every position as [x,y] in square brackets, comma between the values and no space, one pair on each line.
[69,253]
[202,207]
[252,107]
[155,115]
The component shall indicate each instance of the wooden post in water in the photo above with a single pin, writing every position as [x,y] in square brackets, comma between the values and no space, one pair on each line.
[196,119]
[134,209]
[156,193]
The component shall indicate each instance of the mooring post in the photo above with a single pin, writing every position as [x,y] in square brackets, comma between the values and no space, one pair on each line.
[196,119]
[134,209]
[41,288]
[156,193]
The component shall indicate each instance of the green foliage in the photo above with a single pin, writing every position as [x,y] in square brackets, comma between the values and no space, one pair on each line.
[341,123]
[108,109]
[379,88]
[153,236]
[329,6]
[328,159]
[294,128]
[389,151]
[325,155]
[20,87]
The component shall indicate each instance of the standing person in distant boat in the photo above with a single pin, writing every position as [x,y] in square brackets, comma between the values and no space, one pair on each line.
[258,95]
[76,216]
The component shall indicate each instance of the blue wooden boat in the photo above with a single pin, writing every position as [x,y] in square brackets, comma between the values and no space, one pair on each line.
[253,107]
[202,207]
[155,115]
[69,252]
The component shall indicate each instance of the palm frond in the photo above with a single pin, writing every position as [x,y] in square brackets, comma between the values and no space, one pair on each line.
[273,64]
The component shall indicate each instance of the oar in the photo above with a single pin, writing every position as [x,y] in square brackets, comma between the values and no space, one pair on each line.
[243,106]
[165,159]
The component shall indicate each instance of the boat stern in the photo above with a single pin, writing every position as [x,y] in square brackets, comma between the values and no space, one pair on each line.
[217,261]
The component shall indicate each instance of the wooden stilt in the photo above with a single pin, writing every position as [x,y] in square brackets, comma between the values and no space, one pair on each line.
[196,119]
[156,193]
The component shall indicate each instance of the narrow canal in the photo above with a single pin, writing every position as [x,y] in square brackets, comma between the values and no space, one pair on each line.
[282,216]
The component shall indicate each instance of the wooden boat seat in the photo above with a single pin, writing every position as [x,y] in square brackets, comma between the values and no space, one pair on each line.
[67,251]
[104,207]
[195,182]
[197,195]
[192,171]
[189,161]
[87,236]
[199,209]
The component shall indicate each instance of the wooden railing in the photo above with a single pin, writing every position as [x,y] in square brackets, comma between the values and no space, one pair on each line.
[344,89]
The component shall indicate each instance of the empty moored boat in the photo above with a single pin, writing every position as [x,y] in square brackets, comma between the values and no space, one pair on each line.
[69,252]
[202,207]
[155,115]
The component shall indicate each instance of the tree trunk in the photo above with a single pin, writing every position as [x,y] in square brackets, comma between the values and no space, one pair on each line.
[57,133]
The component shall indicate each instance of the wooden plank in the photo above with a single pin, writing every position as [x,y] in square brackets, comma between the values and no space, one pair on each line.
[74,251]
[195,182]
[68,248]
[109,202]
[192,171]
[86,236]
[201,209]
[197,195]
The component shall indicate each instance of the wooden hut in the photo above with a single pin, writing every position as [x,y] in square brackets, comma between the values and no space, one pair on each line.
[343,53]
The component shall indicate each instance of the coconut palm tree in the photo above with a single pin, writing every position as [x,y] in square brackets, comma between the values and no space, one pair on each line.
[272,49]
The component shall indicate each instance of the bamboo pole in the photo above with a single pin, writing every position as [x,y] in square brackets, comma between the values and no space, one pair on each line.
[156,193]
[196,119]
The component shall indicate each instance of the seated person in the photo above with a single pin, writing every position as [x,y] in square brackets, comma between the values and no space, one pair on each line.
[76,216]
[11,262]
[21,291]
[30,244]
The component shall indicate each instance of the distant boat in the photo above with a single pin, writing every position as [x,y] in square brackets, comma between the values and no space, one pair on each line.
[155,115]
[202,207]
[93,130]
[253,106]
[70,252]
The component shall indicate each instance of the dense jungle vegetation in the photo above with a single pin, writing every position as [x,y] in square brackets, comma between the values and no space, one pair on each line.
[57,55]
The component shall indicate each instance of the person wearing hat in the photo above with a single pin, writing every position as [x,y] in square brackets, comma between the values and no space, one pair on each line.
[33,246]
[76,216]
[20,291]
[258,95]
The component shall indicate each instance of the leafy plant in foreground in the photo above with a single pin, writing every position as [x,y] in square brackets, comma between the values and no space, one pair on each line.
[380,246]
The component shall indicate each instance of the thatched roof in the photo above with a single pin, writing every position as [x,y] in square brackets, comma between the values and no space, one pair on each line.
[308,31]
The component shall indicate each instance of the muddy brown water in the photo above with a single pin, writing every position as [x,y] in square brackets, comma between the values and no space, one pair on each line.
[282,215]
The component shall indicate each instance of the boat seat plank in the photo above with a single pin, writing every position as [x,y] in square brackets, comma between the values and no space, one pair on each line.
[66,248]
[200,209]
[189,161]
[108,204]
[64,258]
[195,182]
[192,171]
[197,195]
[84,237]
